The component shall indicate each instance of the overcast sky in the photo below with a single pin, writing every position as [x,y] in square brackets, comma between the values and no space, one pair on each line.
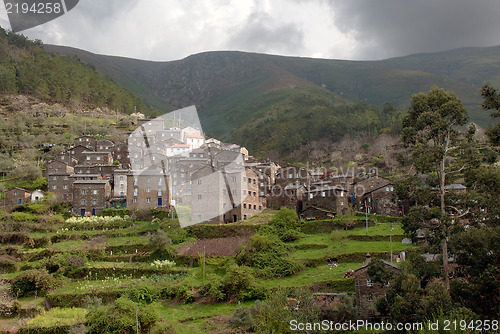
[340,29]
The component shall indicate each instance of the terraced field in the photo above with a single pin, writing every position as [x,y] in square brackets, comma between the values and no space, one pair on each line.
[103,260]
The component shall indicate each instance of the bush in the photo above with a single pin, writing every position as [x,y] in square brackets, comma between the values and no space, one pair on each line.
[121,317]
[32,281]
[242,319]
[145,294]
[37,242]
[7,265]
[268,254]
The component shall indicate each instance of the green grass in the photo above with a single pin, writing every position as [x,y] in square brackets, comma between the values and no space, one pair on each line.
[310,275]
[346,246]
[58,317]
[192,318]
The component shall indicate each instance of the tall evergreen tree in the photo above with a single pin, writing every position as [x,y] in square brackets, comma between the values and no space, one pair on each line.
[429,129]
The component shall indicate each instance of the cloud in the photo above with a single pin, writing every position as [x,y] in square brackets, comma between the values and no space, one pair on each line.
[260,33]
[353,29]
[387,28]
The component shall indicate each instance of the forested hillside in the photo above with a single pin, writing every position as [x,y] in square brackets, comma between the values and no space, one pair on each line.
[26,68]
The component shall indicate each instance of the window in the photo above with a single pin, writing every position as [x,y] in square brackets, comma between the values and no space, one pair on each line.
[244,206]
[260,208]
[199,181]
[369,282]
[255,207]
[261,193]
[65,186]
[249,180]
[223,205]
[370,297]
[254,194]
[386,188]
[88,158]
[254,181]
[200,196]
[83,202]
[136,192]
[54,178]
[134,200]
[98,158]
[83,191]
[122,185]
[148,190]
[323,194]
[121,178]
[53,187]
[233,178]
[94,191]
[66,178]
[244,216]
[160,193]
[148,200]
[94,202]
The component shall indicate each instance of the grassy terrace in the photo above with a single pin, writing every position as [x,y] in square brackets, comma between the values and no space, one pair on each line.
[110,272]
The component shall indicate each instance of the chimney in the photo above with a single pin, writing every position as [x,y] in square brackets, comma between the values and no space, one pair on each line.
[368,259]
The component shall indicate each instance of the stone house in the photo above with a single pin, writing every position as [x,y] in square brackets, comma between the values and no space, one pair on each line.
[380,201]
[37,195]
[120,183]
[77,153]
[61,185]
[96,169]
[148,189]
[326,196]
[367,291]
[120,154]
[375,193]
[17,196]
[195,141]
[90,196]
[97,158]
[54,167]
[87,142]
[226,195]
[104,145]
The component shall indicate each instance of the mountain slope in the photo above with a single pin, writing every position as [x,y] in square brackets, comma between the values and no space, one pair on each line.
[26,68]
[229,87]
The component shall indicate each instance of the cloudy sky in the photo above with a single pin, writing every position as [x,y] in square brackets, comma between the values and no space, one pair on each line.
[340,29]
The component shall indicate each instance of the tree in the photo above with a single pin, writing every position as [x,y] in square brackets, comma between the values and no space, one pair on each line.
[492,101]
[429,129]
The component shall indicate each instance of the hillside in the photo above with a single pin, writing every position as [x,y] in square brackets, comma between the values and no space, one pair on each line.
[228,87]
[27,69]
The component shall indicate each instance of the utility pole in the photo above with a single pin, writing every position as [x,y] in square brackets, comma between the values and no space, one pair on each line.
[390,237]
[203,264]
[366,216]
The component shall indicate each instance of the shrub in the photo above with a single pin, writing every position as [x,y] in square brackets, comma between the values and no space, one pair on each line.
[242,319]
[159,239]
[120,317]
[32,281]
[268,254]
[145,294]
[7,265]
[163,328]
[37,242]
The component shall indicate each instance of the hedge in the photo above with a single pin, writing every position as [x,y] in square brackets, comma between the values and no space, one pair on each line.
[326,226]
[397,237]
[78,299]
[311,246]
[101,273]
[347,258]
[213,231]
[13,238]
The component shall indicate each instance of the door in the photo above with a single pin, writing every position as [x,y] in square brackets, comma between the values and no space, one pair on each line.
[82,212]
[160,201]
[20,201]
[93,212]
